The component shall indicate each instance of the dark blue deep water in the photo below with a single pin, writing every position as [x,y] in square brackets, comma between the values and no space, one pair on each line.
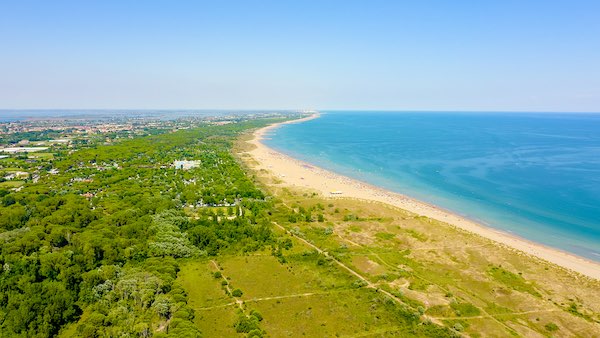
[536,175]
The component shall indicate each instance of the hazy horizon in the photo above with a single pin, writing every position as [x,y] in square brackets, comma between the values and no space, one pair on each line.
[250,110]
[338,55]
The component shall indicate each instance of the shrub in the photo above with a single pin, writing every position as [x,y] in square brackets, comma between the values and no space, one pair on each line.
[257,315]
[256,333]
[359,283]
[237,293]
[246,324]
[350,218]
[249,324]
[458,327]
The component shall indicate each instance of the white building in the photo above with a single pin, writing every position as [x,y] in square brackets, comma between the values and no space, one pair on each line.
[186,165]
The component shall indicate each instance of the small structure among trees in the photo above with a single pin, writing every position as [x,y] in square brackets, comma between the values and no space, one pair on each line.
[186,165]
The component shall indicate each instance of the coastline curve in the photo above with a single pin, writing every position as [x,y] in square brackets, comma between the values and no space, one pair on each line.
[297,173]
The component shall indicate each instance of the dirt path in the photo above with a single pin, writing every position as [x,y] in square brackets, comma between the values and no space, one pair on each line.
[326,254]
[499,314]
[435,319]
[369,284]
[258,299]
[238,301]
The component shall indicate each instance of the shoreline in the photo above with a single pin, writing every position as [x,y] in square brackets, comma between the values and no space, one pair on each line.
[297,173]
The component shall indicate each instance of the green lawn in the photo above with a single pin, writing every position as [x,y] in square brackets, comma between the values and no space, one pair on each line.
[265,276]
[217,322]
[342,313]
[297,298]
[204,290]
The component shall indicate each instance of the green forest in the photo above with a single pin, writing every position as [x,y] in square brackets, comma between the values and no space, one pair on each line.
[99,243]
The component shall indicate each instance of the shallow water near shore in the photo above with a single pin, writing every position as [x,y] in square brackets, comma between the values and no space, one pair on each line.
[535,175]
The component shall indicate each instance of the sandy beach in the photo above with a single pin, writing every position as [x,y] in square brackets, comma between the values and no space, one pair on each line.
[297,173]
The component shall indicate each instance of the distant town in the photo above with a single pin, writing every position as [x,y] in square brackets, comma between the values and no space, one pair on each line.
[31,142]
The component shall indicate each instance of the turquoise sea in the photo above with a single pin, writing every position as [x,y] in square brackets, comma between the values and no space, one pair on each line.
[536,175]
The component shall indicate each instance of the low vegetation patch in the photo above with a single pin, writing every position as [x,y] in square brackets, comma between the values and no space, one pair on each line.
[513,280]
[465,309]
[385,235]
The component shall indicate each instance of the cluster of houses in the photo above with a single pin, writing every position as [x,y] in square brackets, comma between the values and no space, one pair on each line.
[16,175]
[25,146]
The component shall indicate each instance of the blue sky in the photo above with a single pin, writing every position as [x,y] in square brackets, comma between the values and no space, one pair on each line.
[327,54]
